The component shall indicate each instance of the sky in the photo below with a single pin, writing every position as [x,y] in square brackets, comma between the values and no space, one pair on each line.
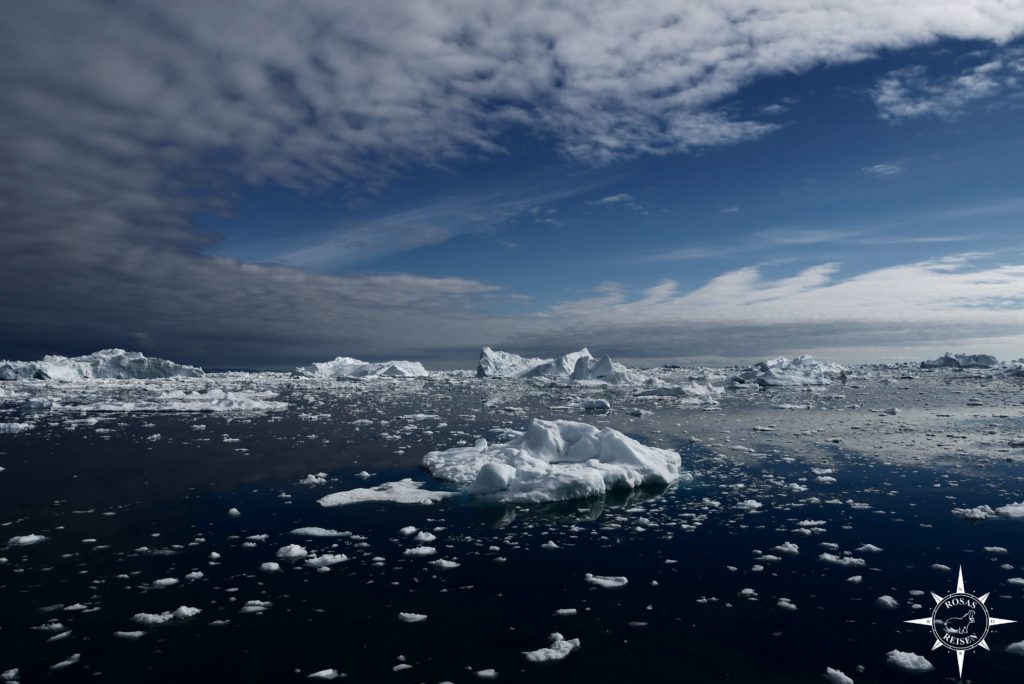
[266,184]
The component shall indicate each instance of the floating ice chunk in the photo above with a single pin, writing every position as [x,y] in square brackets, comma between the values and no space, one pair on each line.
[291,552]
[130,636]
[1016,648]
[784,372]
[595,404]
[179,613]
[566,612]
[255,606]
[553,461]
[347,367]
[165,582]
[911,662]
[443,564]
[606,581]
[843,561]
[749,505]
[984,512]
[489,673]
[887,602]
[834,676]
[691,390]
[234,512]
[14,428]
[270,566]
[559,649]
[412,617]
[156,400]
[786,604]
[317,532]
[868,548]
[26,540]
[328,674]
[326,560]
[420,551]
[106,363]
[424,538]
[314,479]
[405,491]
[67,663]
[787,549]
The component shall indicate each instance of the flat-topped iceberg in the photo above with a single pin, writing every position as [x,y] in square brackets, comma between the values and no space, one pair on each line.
[784,372]
[116,364]
[347,367]
[691,390]
[948,360]
[554,461]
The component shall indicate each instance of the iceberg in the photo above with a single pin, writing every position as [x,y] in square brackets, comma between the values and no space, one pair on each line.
[555,461]
[562,367]
[691,390]
[948,360]
[604,370]
[500,364]
[783,372]
[116,364]
[348,367]
[580,366]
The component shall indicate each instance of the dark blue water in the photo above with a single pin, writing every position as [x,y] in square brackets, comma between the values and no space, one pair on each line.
[679,618]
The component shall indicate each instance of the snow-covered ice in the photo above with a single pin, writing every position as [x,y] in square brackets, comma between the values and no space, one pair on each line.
[406,491]
[560,648]
[554,461]
[784,372]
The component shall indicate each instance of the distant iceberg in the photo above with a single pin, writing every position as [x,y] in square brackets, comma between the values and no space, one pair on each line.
[347,367]
[579,366]
[115,364]
[500,364]
[555,461]
[784,372]
[948,360]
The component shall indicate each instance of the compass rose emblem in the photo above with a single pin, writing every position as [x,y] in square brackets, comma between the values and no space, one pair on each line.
[960,621]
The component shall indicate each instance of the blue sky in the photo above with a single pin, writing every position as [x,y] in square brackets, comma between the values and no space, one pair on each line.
[702,184]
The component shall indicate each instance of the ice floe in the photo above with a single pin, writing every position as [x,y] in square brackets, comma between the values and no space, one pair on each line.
[910,662]
[106,363]
[560,648]
[554,461]
[406,491]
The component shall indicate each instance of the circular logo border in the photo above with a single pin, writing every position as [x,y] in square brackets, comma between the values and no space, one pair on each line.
[984,610]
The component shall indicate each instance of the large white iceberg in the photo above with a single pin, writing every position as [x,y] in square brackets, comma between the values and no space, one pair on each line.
[562,367]
[347,367]
[107,363]
[579,366]
[406,491]
[948,360]
[783,372]
[691,390]
[555,461]
[501,364]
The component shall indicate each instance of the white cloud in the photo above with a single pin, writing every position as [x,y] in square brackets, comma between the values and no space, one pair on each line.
[615,199]
[891,168]
[912,92]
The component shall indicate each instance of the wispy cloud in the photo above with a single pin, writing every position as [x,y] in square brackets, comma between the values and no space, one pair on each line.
[912,92]
[883,169]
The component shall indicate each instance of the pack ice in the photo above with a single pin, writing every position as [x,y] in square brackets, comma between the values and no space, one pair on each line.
[784,372]
[348,367]
[579,366]
[115,364]
[554,461]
